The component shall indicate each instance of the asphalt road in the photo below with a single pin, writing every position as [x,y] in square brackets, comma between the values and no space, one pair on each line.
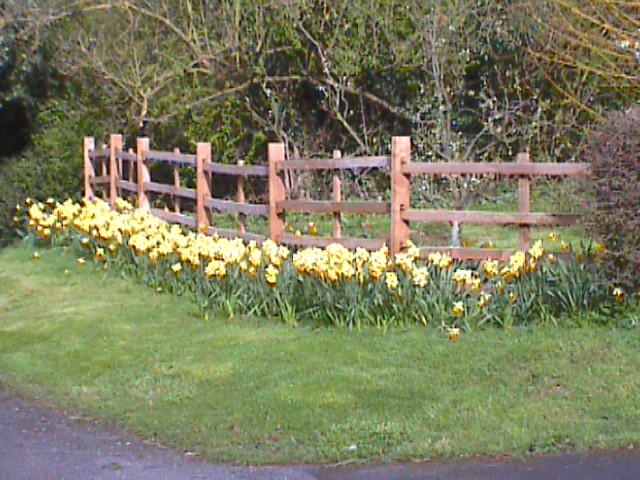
[42,444]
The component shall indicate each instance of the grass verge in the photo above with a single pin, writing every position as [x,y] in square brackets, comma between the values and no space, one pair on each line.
[249,391]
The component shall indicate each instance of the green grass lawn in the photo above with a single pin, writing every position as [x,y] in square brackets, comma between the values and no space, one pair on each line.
[250,391]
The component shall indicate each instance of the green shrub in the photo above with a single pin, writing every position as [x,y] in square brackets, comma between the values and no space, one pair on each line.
[52,167]
[614,154]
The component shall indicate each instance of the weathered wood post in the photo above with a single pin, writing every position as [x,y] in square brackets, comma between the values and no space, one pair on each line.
[115,148]
[277,191]
[144,176]
[88,145]
[524,202]
[337,197]
[176,183]
[400,193]
[132,170]
[240,198]
[203,193]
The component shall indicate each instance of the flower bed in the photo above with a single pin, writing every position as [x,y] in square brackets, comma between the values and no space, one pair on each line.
[332,286]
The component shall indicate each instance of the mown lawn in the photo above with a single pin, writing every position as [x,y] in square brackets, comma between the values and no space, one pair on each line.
[252,391]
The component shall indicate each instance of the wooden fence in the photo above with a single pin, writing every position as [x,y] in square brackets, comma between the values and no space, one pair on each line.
[117,172]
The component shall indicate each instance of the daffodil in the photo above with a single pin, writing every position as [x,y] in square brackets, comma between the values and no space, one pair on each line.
[484,300]
[458,309]
[81,262]
[420,276]
[536,251]
[176,268]
[491,268]
[271,275]
[36,256]
[391,280]
[619,294]
[454,333]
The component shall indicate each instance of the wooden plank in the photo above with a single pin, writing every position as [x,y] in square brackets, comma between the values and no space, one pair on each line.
[128,186]
[489,218]
[400,193]
[155,187]
[101,154]
[171,157]
[144,177]
[100,180]
[524,202]
[229,206]
[127,156]
[317,206]
[277,190]
[337,197]
[231,234]
[467,254]
[347,163]
[133,171]
[320,242]
[88,144]
[175,218]
[104,173]
[115,146]
[203,183]
[176,183]
[238,170]
[240,198]
[500,169]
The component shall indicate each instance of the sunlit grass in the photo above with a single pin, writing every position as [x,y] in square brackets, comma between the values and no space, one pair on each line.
[250,391]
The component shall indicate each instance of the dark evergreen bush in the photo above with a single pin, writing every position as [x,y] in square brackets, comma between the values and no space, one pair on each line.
[614,154]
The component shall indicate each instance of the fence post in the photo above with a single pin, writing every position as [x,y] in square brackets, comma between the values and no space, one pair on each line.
[240,198]
[176,183]
[144,177]
[524,202]
[337,197]
[115,148]
[277,191]
[400,193]
[132,173]
[88,145]
[203,185]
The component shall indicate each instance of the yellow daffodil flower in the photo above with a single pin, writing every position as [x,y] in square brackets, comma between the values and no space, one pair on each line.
[458,309]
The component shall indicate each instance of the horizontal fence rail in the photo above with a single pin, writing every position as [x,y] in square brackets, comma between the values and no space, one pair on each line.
[227,206]
[170,157]
[319,206]
[347,163]
[237,170]
[499,169]
[178,218]
[112,171]
[488,218]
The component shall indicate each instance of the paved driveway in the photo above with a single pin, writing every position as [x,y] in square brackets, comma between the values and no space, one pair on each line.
[42,444]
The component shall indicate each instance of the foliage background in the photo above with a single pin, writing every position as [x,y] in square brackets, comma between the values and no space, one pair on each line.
[467,79]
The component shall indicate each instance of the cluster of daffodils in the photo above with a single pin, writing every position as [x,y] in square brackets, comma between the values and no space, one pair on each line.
[104,233]
[147,235]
